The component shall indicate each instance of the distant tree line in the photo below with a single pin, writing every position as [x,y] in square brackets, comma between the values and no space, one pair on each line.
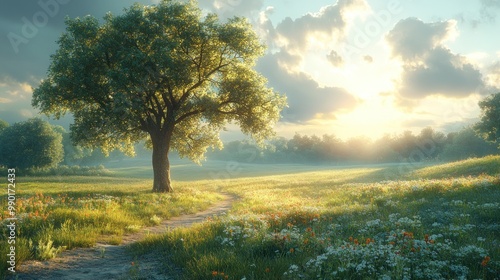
[35,144]
[426,146]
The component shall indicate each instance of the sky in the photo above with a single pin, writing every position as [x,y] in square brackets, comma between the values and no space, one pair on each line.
[348,67]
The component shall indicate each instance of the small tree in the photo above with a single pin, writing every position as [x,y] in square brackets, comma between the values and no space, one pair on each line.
[30,144]
[161,72]
[489,125]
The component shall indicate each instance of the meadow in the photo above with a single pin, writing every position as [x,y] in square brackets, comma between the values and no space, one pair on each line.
[291,222]
[438,222]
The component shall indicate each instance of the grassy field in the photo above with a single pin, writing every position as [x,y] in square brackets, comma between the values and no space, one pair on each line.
[292,222]
[349,224]
[58,213]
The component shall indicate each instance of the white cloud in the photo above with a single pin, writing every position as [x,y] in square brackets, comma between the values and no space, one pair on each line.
[15,101]
[307,100]
[329,24]
[411,38]
[492,78]
[5,100]
[230,8]
[429,67]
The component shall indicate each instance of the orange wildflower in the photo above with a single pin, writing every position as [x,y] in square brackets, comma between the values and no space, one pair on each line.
[408,234]
[215,273]
[292,250]
[485,261]
[267,270]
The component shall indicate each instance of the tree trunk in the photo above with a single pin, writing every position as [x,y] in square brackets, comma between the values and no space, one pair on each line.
[161,165]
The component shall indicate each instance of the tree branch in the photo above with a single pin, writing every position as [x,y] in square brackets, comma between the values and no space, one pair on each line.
[189,114]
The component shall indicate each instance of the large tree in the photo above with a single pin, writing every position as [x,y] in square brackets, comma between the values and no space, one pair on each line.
[30,144]
[163,72]
[489,125]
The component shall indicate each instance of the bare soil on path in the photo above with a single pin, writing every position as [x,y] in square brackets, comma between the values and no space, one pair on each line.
[105,261]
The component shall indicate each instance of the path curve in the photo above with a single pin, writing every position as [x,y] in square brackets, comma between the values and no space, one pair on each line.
[89,263]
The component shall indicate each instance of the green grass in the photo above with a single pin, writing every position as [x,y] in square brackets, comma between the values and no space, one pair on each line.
[185,170]
[58,212]
[470,167]
[292,222]
[346,224]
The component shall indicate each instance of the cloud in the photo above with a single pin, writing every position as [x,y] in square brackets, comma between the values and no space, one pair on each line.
[5,100]
[329,23]
[230,8]
[307,100]
[368,58]
[489,10]
[441,72]
[265,27]
[455,126]
[289,42]
[15,101]
[493,78]
[417,123]
[335,59]
[429,67]
[312,31]
[487,13]
[15,104]
[411,38]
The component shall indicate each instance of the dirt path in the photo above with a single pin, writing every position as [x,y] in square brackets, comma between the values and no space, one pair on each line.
[112,261]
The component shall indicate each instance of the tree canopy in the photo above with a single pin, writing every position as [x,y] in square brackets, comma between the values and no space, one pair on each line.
[489,125]
[162,72]
[30,144]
